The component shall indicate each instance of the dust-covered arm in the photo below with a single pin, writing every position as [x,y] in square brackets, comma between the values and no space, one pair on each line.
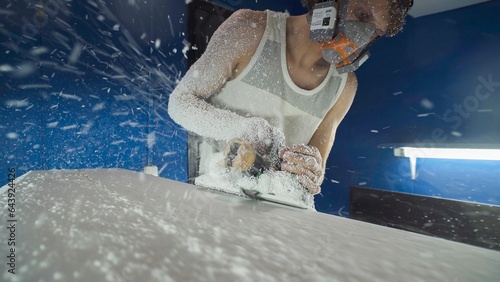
[236,38]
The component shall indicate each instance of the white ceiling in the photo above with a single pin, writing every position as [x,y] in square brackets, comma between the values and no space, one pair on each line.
[427,7]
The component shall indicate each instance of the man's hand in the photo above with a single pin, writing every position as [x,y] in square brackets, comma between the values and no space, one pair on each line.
[306,162]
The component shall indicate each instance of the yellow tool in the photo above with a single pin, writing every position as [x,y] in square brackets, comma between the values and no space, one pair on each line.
[240,155]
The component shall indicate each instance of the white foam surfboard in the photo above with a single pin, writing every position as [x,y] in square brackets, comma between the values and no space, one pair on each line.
[119,225]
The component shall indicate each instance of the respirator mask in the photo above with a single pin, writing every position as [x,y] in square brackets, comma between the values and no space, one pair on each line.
[344,42]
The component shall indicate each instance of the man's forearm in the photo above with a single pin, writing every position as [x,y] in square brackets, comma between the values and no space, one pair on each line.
[198,116]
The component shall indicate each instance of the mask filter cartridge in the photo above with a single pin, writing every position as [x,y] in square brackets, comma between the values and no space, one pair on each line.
[323,21]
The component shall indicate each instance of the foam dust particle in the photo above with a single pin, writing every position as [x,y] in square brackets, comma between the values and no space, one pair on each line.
[36,51]
[17,103]
[75,53]
[427,104]
[186,48]
[123,97]
[69,127]
[52,124]
[34,86]
[57,276]
[425,115]
[12,135]
[151,139]
[171,26]
[69,96]
[6,68]
[99,106]
[24,70]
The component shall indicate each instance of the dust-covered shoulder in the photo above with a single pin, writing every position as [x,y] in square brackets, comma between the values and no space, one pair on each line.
[244,28]
[231,44]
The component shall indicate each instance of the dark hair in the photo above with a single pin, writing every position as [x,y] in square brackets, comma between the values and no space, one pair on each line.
[309,4]
[398,9]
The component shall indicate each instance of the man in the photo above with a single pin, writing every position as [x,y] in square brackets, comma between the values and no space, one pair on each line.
[265,80]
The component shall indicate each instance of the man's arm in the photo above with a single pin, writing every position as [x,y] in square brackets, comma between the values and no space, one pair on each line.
[309,162]
[324,136]
[235,39]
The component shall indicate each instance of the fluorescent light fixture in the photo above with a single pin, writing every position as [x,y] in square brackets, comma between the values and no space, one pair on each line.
[448,153]
[429,7]
[444,153]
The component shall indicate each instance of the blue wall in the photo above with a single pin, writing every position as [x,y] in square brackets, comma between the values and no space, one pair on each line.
[87,87]
[294,7]
[410,92]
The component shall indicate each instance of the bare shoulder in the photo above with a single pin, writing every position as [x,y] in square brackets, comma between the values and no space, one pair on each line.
[246,27]
[351,85]
[241,33]
[249,19]
[328,127]
[342,106]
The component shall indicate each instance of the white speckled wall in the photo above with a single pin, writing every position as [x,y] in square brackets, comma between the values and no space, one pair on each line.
[118,225]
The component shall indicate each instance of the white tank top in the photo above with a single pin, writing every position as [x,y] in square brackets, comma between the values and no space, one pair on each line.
[265,89]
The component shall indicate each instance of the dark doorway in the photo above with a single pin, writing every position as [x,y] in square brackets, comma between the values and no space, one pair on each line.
[204,19]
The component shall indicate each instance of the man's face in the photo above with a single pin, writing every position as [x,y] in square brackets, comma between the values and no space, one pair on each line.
[375,12]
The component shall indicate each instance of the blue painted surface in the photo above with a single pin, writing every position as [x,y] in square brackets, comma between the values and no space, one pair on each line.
[110,109]
[434,67]
[294,7]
